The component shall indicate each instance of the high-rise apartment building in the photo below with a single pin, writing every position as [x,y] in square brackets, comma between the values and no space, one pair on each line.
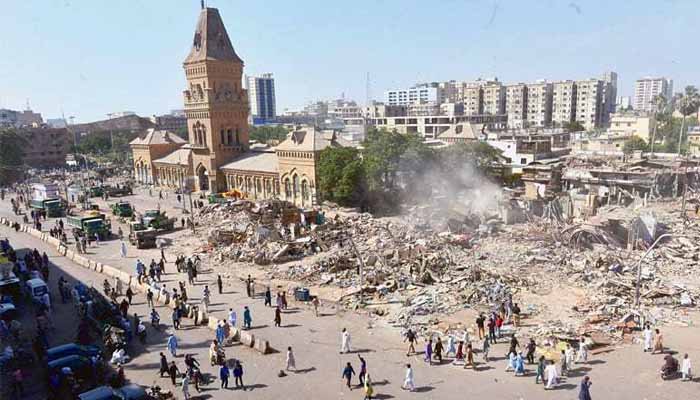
[589,103]
[516,105]
[539,104]
[261,96]
[609,95]
[494,98]
[646,89]
[418,94]
[563,103]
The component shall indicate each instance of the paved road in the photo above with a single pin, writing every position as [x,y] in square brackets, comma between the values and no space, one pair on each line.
[626,373]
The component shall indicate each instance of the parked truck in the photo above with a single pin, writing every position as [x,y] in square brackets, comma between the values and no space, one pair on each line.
[52,207]
[157,220]
[44,191]
[122,209]
[90,224]
[142,237]
[119,190]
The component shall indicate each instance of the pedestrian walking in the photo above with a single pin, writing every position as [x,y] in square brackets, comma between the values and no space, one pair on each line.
[648,337]
[238,375]
[531,347]
[176,318]
[363,370]
[220,284]
[485,347]
[129,294]
[163,365]
[247,319]
[658,342]
[232,317]
[186,387]
[278,317]
[480,325]
[451,346]
[345,341]
[348,372]
[411,338]
[584,389]
[408,383]
[438,350]
[172,345]
[539,377]
[249,287]
[686,369]
[551,375]
[268,297]
[315,302]
[122,249]
[162,255]
[290,361]
[149,298]
[429,351]
[173,372]
[224,374]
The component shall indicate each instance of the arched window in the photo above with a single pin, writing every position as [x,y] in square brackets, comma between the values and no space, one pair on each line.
[305,190]
[229,136]
[287,188]
[295,183]
[223,139]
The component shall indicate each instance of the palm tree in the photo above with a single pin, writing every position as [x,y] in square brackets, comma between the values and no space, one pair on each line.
[687,104]
[660,104]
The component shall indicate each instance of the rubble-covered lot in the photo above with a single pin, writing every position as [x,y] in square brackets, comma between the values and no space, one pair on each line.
[420,269]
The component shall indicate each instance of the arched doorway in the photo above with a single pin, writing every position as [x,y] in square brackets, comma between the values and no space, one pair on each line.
[203,178]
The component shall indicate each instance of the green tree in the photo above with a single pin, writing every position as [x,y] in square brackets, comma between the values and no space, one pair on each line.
[382,154]
[266,133]
[687,103]
[11,156]
[341,175]
[661,107]
[573,126]
[633,144]
[479,154]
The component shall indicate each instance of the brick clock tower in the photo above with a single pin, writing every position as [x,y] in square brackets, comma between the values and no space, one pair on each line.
[216,105]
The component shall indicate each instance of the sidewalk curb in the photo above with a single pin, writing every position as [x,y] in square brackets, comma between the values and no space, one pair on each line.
[248,339]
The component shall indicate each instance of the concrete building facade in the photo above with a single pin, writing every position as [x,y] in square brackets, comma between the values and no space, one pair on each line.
[539,104]
[646,89]
[417,94]
[563,103]
[261,96]
[516,105]
[494,98]
[589,103]
[45,147]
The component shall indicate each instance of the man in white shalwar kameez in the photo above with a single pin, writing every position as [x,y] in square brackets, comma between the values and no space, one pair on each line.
[408,381]
[686,368]
[551,375]
[122,249]
[648,338]
[345,341]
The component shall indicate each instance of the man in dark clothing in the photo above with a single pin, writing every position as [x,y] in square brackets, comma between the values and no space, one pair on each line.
[124,308]
[514,344]
[348,372]
[492,330]
[163,365]
[516,315]
[480,325]
[249,287]
[173,372]
[268,297]
[220,284]
[584,391]
[363,370]
[129,294]
[136,323]
[411,337]
[531,347]
[224,373]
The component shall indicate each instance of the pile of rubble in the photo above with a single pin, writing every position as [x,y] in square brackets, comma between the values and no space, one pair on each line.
[416,268]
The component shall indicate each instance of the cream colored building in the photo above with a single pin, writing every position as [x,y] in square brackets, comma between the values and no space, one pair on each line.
[563,103]
[218,156]
[539,105]
[494,98]
[589,103]
[516,105]
[630,124]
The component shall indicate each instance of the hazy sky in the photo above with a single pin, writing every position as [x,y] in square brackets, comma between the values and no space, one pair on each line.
[91,57]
